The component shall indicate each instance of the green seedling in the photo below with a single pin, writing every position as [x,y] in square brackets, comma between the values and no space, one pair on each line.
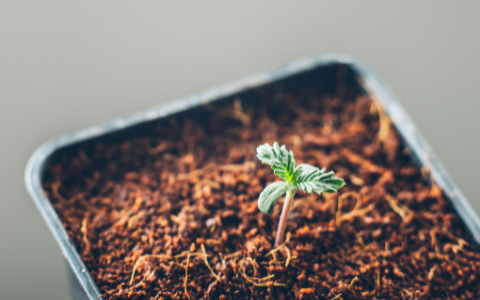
[303,177]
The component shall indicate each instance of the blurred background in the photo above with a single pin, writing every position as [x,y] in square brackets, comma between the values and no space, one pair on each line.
[66,65]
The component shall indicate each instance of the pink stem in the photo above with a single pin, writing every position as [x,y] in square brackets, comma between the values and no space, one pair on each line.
[282,223]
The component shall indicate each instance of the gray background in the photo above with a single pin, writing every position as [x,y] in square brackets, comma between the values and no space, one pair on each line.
[66,65]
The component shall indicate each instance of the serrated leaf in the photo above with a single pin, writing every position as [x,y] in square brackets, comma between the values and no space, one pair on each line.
[281,160]
[313,180]
[270,195]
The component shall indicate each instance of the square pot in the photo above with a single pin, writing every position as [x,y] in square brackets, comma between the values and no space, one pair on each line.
[316,68]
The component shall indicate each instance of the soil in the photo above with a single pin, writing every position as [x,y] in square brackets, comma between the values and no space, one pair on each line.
[171,212]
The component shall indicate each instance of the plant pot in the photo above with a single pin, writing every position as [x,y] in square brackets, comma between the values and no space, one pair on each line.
[323,68]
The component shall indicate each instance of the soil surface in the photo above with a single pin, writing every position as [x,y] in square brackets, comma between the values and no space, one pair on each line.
[171,212]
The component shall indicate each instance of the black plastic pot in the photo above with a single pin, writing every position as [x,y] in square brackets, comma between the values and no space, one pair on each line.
[316,68]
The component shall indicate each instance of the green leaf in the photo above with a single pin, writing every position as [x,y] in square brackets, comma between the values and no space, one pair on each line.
[313,180]
[270,195]
[304,177]
[281,160]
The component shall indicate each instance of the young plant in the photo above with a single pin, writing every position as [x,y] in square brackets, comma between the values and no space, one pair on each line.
[303,177]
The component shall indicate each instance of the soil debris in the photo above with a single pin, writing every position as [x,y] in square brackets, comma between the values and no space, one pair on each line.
[171,212]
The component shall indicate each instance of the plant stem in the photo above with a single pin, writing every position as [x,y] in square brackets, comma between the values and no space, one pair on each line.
[282,223]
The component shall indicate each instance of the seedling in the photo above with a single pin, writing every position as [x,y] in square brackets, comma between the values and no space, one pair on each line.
[303,177]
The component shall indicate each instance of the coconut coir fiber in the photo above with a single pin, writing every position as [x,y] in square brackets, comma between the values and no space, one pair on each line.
[171,213]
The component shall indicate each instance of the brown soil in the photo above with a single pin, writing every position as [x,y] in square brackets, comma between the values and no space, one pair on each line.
[177,206]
